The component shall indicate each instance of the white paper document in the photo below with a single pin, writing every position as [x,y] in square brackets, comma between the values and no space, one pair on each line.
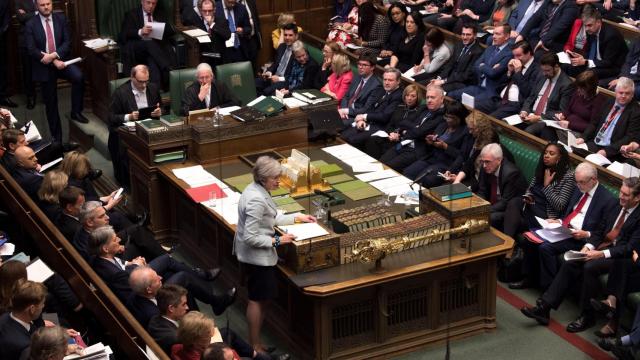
[7,249]
[597,159]
[304,231]
[380,133]
[377,175]
[96,43]
[72,61]
[366,167]
[38,271]
[31,132]
[410,74]
[468,100]
[573,255]
[49,165]
[227,110]
[571,141]
[551,236]
[292,103]
[554,124]
[226,207]
[553,231]
[624,169]
[564,57]
[196,32]
[345,152]
[157,30]
[514,119]
[256,100]
[204,39]
[353,47]
[389,183]
[196,176]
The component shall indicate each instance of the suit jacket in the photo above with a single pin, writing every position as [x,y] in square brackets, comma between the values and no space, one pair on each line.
[370,93]
[142,309]
[558,99]
[241,20]
[484,67]
[511,183]
[220,31]
[123,102]
[5,15]
[561,25]
[220,96]
[424,124]
[116,278]
[381,110]
[628,239]
[68,226]
[613,51]
[14,338]
[29,8]
[81,243]
[251,5]
[8,160]
[134,21]
[460,69]
[517,15]
[601,206]
[633,56]
[256,220]
[163,331]
[311,68]
[30,180]
[626,130]
[339,85]
[36,42]
[279,54]
[525,81]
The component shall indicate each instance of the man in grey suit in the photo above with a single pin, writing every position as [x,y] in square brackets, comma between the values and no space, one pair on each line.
[365,90]
[255,241]
[550,95]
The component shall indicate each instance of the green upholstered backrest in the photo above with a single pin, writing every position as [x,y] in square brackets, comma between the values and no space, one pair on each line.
[239,79]
[179,80]
[315,54]
[526,157]
[114,84]
[110,14]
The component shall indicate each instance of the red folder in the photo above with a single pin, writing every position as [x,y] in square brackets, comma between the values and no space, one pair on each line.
[203,193]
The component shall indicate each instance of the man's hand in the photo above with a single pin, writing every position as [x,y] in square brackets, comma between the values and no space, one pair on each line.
[204,91]
[134,115]
[540,45]
[517,65]
[306,218]
[532,118]
[47,58]
[437,82]
[613,83]
[5,114]
[157,111]
[608,5]
[440,144]
[139,261]
[59,64]
[579,141]
[146,30]
[394,136]
[275,78]
[21,12]
[635,256]
[519,38]
[344,113]
[110,200]
[239,30]
[579,234]
[450,177]
[594,254]
[602,152]
[576,59]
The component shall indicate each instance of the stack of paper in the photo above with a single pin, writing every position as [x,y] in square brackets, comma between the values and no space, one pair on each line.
[197,176]
[393,186]
[598,159]
[553,231]
[226,207]
[97,43]
[410,74]
[624,169]
[304,231]
[94,352]
[554,124]
[377,175]
[38,271]
[514,119]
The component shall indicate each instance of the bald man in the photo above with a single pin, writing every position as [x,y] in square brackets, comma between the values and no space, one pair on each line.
[26,172]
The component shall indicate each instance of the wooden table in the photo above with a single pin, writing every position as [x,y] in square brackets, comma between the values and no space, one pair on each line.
[346,312]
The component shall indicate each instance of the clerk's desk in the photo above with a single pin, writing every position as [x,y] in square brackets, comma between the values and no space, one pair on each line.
[346,312]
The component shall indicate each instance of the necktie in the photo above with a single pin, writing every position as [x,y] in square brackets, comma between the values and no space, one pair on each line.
[356,93]
[51,43]
[505,96]
[463,52]
[593,47]
[547,25]
[232,27]
[611,236]
[576,211]
[606,125]
[494,189]
[284,62]
[543,100]
[149,18]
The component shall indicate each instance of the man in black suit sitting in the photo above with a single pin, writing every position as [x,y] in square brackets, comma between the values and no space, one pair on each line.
[139,45]
[172,303]
[380,113]
[206,93]
[126,100]
[280,69]
[302,75]
[11,140]
[204,18]
[26,171]
[71,200]
[499,182]
[23,320]
[617,124]
[617,236]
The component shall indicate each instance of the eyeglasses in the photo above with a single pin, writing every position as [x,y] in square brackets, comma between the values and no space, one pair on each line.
[141,81]
[486,162]
[206,11]
[363,65]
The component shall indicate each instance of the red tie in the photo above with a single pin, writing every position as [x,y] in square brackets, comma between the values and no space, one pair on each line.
[543,100]
[51,43]
[494,189]
[576,211]
[613,115]
[356,93]
[611,236]
[149,18]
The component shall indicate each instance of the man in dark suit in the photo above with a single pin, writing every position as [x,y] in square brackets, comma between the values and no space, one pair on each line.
[553,23]
[624,347]
[491,68]
[499,182]
[589,204]
[172,303]
[187,8]
[617,237]
[617,123]
[48,40]
[5,18]
[522,14]
[254,44]
[11,140]
[23,320]
[458,71]
[522,71]
[141,48]
[364,91]
[605,50]
[550,95]
[206,93]
[203,17]
[278,73]
[380,113]
[26,171]
[302,75]
[25,10]
[71,199]
[237,47]
[126,100]
[630,68]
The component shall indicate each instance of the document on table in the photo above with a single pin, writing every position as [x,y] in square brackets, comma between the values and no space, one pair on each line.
[227,110]
[304,231]
[226,207]
[157,30]
[377,175]
[196,176]
[49,165]
[204,39]
[514,119]
[385,184]
[365,167]
[345,152]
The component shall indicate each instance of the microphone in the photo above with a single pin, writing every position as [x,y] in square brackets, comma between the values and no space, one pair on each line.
[420,177]
[324,193]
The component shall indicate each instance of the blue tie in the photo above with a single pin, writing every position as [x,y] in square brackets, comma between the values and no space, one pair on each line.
[593,47]
[232,27]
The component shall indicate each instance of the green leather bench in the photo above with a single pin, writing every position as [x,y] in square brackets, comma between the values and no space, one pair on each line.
[239,79]
[179,80]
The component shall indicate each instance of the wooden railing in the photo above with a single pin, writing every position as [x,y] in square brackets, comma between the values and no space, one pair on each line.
[63,258]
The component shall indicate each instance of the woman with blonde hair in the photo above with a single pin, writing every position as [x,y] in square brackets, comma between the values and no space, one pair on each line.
[81,173]
[276,34]
[194,335]
[340,80]
[53,183]
[329,49]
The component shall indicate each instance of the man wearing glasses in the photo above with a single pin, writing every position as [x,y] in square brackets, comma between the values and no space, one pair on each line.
[203,17]
[206,93]
[365,90]
[136,94]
